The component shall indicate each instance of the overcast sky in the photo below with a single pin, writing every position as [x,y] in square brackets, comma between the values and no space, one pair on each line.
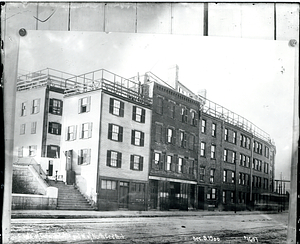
[253,78]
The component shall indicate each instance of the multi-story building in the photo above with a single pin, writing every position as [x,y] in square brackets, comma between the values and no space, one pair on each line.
[39,111]
[106,140]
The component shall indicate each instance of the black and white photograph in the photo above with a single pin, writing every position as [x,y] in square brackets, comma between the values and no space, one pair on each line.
[150,122]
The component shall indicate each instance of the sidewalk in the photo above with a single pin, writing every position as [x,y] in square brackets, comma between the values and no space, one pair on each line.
[65,214]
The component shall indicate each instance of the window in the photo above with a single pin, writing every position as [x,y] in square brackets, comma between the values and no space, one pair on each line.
[201,173]
[203,126]
[55,106]
[182,139]
[213,152]
[159,108]
[191,142]
[20,152]
[71,132]
[211,194]
[267,152]
[137,187]
[191,168]
[116,107]
[248,143]
[156,158]
[232,197]
[158,132]
[137,138]
[172,109]
[242,179]
[224,196]
[194,118]
[136,162]
[22,129]
[225,176]
[52,151]
[35,106]
[212,175]
[225,157]
[33,127]
[213,129]
[86,130]
[234,137]
[138,114]
[232,177]
[54,128]
[233,157]
[248,161]
[32,150]
[245,141]
[169,162]
[23,109]
[170,136]
[202,149]
[108,185]
[247,179]
[114,159]
[84,105]
[266,168]
[184,115]
[226,134]
[180,161]
[84,156]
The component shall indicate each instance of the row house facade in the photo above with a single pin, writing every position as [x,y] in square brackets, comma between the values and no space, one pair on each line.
[141,145]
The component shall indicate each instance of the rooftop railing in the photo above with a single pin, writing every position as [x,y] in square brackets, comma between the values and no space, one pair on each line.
[230,117]
[45,77]
[106,80]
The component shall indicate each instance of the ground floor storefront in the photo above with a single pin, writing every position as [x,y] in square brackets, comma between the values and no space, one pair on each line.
[114,194]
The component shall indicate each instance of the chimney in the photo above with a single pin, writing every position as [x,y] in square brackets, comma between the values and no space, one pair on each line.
[173,76]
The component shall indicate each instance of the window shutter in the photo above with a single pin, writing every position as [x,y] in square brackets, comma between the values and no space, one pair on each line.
[90,129]
[119,160]
[173,165]
[66,133]
[111,105]
[141,163]
[61,108]
[121,109]
[175,160]
[79,105]
[143,115]
[108,158]
[88,107]
[79,157]
[31,107]
[183,166]
[49,127]
[51,105]
[132,137]
[134,113]
[131,161]
[120,136]
[109,131]
[81,131]
[75,131]
[59,129]
[142,138]
[88,160]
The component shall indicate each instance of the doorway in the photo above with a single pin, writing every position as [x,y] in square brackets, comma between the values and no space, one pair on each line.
[123,194]
[201,197]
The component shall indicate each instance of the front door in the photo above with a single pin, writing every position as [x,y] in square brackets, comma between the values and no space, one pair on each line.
[123,194]
[201,197]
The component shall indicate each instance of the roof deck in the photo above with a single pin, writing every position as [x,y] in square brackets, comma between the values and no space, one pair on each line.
[108,81]
[45,77]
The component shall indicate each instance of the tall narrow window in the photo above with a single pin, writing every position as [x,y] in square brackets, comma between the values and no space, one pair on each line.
[224,196]
[84,105]
[86,130]
[158,132]
[116,107]
[115,132]
[23,109]
[35,106]
[212,176]
[225,176]
[191,142]
[213,152]
[138,114]
[234,137]
[213,193]
[169,162]
[136,162]
[137,138]
[55,106]
[71,132]
[194,118]
[184,115]
[233,158]
[226,134]
[232,177]
[159,108]
[22,129]
[156,158]
[203,126]
[202,149]
[182,139]
[114,159]
[170,136]
[201,173]
[213,129]
[33,127]
[32,150]
[225,157]
[180,161]
[172,109]
[84,156]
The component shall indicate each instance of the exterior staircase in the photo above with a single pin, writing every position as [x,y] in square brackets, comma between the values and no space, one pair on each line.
[69,198]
